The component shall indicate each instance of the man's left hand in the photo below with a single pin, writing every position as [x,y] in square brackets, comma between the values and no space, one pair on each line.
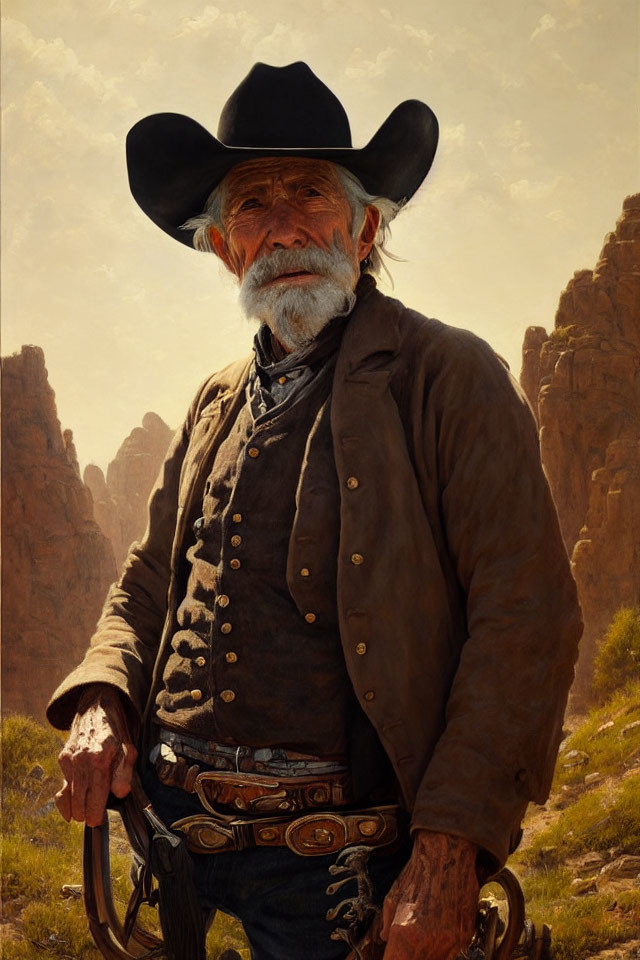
[430,911]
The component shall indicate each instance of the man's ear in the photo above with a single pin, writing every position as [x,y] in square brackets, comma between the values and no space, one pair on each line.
[368,232]
[219,244]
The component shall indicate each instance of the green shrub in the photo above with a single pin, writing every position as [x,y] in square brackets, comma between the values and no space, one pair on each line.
[618,658]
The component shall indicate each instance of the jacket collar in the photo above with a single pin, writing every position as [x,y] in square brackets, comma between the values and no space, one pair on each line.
[372,338]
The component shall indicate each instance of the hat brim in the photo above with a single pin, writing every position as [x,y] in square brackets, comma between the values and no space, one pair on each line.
[174,163]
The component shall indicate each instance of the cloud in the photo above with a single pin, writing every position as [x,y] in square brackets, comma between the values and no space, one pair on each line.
[545,23]
[360,68]
[532,190]
[202,24]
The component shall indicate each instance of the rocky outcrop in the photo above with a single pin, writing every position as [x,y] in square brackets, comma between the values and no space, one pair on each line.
[120,501]
[57,563]
[583,381]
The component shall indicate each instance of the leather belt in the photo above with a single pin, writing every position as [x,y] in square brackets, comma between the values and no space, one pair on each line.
[255,793]
[312,835]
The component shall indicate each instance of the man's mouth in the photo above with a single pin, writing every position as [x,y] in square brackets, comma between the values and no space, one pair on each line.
[292,275]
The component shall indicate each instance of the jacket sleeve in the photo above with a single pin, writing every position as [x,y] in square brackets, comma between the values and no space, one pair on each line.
[506,705]
[123,650]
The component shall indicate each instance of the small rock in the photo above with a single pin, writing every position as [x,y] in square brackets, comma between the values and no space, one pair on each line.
[605,726]
[586,864]
[626,730]
[592,778]
[626,867]
[575,758]
[36,772]
[71,890]
[580,888]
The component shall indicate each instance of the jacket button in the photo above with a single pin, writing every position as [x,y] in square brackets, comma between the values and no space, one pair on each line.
[305,572]
[282,379]
[226,628]
[235,564]
[361,648]
[357,558]
[236,540]
[310,617]
[352,483]
[237,518]
[253,452]
[369,695]
[200,662]
[228,696]
[196,694]
[231,657]
[223,600]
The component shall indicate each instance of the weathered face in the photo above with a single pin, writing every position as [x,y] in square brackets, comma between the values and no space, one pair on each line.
[287,236]
[280,204]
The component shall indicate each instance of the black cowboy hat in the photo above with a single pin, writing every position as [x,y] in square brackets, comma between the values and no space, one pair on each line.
[174,163]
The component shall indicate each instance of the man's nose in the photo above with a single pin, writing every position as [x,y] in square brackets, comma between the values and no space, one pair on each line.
[285,227]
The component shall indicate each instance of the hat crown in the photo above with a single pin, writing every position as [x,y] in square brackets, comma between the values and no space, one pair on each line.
[283,107]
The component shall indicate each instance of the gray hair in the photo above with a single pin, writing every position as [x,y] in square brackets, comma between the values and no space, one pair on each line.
[358,199]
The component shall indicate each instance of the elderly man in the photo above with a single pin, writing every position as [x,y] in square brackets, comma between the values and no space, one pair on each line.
[350,624]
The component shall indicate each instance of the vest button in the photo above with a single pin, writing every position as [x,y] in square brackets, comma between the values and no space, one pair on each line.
[228,696]
[253,452]
[352,483]
[223,600]
[234,564]
[226,628]
[196,694]
[369,695]
[310,617]
[231,657]
[282,379]
[236,540]
[200,662]
[361,648]
[357,559]
[305,572]
[237,518]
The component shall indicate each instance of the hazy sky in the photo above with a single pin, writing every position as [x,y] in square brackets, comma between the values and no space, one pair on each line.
[538,106]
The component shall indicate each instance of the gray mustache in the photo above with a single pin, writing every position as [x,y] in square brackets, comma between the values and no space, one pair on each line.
[274,264]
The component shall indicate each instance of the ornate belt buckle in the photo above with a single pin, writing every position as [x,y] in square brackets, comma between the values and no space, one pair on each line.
[239,790]
[316,835]
[203,835]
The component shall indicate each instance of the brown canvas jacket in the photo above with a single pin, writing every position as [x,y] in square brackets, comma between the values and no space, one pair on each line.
[451,569]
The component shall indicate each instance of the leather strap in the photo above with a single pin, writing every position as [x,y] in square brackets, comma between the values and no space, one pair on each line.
[312,835]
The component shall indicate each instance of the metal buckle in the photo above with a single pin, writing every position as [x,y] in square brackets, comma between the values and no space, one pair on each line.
[206,835]
[316,835]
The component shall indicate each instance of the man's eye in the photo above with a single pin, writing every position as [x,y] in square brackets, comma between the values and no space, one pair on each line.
[251,203]
[310,192]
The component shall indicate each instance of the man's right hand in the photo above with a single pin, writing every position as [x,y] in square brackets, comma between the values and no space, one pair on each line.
[98,757]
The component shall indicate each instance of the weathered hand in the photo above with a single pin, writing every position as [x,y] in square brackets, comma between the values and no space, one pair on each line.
[430,911]
[98,756]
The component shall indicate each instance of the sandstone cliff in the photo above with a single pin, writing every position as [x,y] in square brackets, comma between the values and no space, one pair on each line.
[57,564]
[120,501]
[583,381]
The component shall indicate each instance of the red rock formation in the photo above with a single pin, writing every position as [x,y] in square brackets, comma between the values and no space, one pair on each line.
[584,382]
[120,502]
[57,564]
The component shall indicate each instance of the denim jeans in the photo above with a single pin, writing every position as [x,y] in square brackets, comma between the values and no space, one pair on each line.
[279,897]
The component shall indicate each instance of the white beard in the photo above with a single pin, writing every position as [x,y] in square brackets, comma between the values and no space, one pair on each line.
[296,313]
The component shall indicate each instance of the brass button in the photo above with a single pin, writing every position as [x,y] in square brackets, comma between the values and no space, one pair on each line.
[231,657]
[310,617]
[305,572]
[357,558]
[196,694]
[282,379]
[223,600]
[369,695]
[200,662]
[226,628]
[236,540]
[234,564]
[361,648]
[228,696]
[368,827]
[352,483]
[237,518]
[253,452]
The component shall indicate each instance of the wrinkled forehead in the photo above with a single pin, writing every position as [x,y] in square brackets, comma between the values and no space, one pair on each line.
[263,172]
